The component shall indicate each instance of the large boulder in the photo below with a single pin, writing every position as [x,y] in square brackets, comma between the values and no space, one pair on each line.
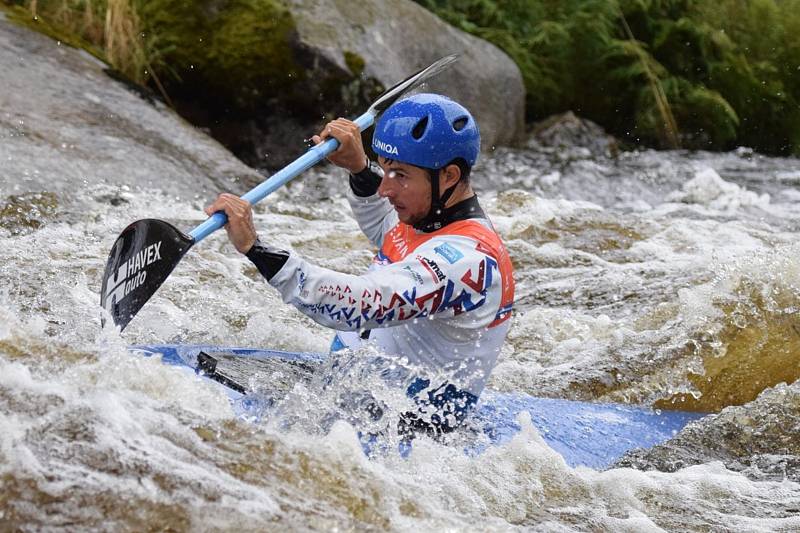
[69,129]
[262,75]
[566,132]
[386,40]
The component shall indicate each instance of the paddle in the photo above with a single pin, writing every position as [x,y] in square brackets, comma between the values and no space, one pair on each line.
[148,250]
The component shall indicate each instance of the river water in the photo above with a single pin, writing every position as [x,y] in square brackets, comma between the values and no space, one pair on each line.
[661,278]
[633,274]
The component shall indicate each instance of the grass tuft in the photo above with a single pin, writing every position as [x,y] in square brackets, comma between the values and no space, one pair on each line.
[109,29]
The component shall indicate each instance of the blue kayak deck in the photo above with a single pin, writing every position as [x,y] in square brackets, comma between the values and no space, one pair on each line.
[584,433]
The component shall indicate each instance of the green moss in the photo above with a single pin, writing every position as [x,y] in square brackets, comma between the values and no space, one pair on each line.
[23,213]
[233,49]
[354,62]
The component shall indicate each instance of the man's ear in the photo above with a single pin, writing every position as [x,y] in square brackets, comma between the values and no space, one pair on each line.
[451,175]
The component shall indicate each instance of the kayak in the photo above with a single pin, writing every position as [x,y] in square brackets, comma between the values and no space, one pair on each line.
[583,433]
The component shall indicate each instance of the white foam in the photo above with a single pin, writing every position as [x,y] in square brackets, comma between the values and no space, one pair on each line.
[169,437]
[708,189]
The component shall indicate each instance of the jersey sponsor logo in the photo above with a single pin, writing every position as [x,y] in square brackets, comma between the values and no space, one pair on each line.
[131,274]
[399,242]
[431,266]
[414,274]
[384,147]
[449,253]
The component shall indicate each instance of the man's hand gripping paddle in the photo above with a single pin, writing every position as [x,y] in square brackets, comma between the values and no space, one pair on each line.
[148,250]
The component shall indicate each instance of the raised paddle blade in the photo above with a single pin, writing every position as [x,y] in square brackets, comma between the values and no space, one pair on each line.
[143,256]
[388,98]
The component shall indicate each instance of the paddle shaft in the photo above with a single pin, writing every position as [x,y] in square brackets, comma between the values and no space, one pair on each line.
[313,156]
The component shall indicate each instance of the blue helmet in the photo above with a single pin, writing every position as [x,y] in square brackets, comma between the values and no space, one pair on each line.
[427,130]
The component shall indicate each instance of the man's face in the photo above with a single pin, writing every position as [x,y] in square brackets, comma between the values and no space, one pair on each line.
[408,189]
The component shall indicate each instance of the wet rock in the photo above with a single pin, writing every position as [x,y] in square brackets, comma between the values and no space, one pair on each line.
[568,132]
[21,214]
[67,128]
[760,439]
[386,40]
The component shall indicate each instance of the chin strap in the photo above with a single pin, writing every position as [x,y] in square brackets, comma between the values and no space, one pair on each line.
[435,219]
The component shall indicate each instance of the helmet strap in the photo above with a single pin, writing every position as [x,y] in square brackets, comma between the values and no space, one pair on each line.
[434,220]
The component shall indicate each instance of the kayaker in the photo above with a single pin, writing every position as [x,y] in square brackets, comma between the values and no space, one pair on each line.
[441,287]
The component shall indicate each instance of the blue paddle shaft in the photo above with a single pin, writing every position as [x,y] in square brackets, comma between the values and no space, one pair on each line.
[313,156]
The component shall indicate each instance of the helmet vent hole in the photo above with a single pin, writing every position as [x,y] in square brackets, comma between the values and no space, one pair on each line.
[460,123]
[419,129]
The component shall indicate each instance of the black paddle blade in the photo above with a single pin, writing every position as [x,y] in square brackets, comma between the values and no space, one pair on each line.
[143,256]
[393,93]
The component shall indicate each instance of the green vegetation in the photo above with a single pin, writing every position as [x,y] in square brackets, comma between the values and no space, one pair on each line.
[109,29]
[235,50]
[711,74]
[354,62]
[708,74]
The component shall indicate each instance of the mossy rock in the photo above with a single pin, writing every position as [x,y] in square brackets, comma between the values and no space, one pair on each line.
[229,49]
[354,62]
[21,214]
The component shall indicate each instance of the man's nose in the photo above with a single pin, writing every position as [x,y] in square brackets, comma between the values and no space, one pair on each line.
[386,187]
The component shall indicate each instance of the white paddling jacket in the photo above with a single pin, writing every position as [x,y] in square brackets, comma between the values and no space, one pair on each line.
[440,299]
